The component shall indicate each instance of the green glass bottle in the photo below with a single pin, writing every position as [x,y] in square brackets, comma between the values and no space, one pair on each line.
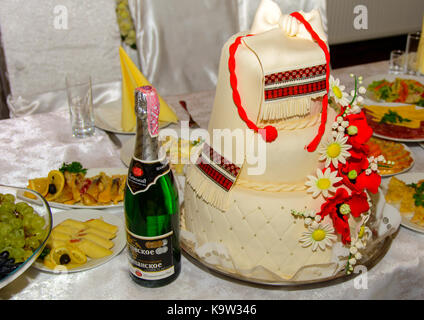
[151,202]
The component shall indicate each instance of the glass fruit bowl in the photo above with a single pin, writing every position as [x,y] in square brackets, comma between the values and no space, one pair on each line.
[22,233]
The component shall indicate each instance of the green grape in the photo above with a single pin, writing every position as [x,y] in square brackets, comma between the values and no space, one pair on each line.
[21,228]
[21,206]
[32,243]
[4,229]
[39,234]
[16,223]
[9,198]
[37,222]
[27,211]
[27,221]
[27,254]
[7,207]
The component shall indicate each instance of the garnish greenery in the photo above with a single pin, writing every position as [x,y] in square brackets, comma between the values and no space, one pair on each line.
[44,253]
[393,117]
[73,167]
[419,194]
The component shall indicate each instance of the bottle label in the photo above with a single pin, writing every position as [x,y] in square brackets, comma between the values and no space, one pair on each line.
[150,258]
[143,174]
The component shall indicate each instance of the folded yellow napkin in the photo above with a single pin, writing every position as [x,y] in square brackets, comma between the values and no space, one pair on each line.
[131,79]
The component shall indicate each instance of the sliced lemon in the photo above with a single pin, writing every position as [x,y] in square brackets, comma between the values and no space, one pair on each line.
[48,262]
[41,185]
[58,256]
[77,256]
[56,182]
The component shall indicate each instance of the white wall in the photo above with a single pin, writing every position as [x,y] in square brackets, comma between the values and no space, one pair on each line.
[385,18]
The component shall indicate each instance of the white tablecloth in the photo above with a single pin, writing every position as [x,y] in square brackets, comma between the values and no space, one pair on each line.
[33,145]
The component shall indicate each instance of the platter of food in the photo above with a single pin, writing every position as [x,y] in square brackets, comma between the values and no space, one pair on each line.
[390,88]
[396,122]
[73,187]
[107,117]
[24,231]
[81,239]
[399,158]
[406,193]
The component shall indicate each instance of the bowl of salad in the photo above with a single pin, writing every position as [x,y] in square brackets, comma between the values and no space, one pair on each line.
[24,230]
[396,89]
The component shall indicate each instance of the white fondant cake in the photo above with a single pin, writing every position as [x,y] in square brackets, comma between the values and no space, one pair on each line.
[308,213]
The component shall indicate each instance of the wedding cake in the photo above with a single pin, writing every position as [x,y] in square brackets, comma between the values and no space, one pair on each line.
[300,209]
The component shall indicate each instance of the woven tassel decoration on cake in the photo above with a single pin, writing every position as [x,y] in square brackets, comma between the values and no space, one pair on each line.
[212,177]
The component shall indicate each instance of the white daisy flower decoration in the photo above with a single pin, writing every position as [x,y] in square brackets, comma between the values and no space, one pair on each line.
[335,150]
[323,182]
[319,235]
[337,91]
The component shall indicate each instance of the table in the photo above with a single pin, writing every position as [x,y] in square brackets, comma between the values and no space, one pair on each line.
[32,145]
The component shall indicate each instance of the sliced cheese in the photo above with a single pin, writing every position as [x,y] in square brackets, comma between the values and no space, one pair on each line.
[102,225]
[131,79]
[407,112]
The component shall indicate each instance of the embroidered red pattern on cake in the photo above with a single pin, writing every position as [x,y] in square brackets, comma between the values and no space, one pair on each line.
[295,90]
[298,74]
[217,168]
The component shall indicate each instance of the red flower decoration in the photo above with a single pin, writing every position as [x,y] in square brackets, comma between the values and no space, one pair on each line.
[371,182]
[364,131]
[358,161]
[358,204]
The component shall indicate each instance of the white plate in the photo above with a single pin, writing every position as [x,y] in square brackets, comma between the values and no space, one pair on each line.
[369,99]
[409,177]
[392,105]
[83,215]
[90,173]
[127,151]
[107,117]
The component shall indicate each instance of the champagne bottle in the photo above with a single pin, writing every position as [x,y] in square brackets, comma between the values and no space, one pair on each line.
[151,201]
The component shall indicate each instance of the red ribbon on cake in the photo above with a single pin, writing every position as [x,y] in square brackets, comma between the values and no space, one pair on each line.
[270,133]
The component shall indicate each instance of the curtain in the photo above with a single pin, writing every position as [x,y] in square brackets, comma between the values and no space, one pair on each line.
[179,41]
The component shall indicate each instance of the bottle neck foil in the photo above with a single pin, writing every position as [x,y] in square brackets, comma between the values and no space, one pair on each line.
[146,146]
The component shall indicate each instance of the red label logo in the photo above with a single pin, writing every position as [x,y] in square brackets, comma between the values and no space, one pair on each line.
[138,172]
[138,273]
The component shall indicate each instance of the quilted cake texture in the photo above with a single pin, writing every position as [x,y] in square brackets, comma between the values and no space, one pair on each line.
[257,230]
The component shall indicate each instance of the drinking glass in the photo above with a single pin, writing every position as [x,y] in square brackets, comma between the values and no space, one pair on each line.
[411,52]
[397,63]
[80,100]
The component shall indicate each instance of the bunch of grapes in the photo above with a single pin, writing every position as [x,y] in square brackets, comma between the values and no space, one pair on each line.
[125,23]
[21,229]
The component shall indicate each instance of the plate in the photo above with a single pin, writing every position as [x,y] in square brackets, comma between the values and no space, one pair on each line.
[392,105]
[411,154]
[107,117]
[369,98]
[408,177]
[127,151]
[90,173]
[83,215]
[45,212]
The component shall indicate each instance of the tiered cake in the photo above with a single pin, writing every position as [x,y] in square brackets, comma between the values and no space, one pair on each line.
[302,210]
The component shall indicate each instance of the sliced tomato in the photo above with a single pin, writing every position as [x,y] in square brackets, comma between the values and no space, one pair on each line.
[85,186]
